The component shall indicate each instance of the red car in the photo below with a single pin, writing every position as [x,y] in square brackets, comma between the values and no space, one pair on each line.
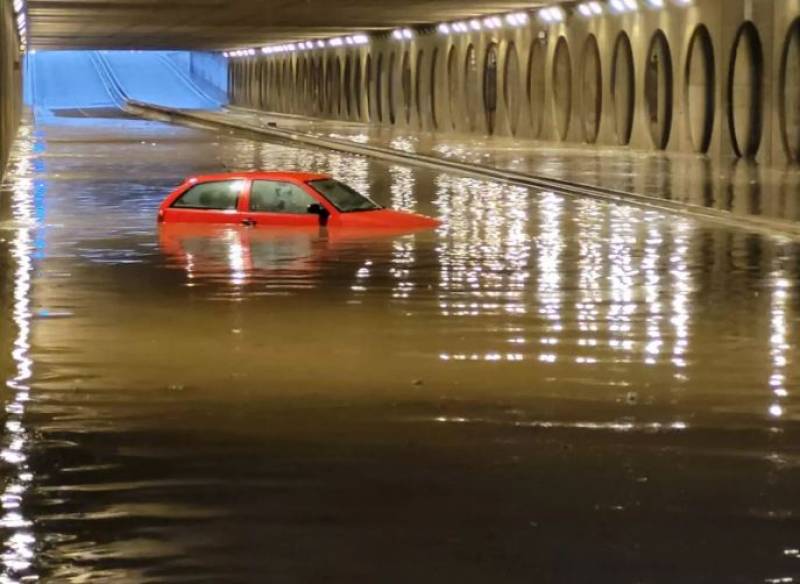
[281,199]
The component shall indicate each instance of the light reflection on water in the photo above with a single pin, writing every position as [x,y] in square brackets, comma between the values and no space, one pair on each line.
[19,547]
[550,245]
[590,262]
[403,197]
[780,287]
[526,314]
[652,294]
[622,273]
[682,287]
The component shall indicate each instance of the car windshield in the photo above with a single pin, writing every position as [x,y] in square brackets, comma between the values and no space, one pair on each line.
[343,197]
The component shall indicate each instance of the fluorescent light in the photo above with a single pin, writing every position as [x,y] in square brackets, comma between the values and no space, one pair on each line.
[402,34]
[18,6]
[655,3]
[620,6]
[590,9]
[517,18]
[495,22]
[360,39]
[552,14]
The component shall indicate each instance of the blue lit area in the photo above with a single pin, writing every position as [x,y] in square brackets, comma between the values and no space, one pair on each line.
[74,83]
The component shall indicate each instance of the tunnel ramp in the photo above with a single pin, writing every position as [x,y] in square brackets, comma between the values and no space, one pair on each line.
[95,84]
[152,78]
[69,80]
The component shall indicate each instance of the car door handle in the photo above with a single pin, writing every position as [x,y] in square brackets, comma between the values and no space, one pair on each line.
[249,222]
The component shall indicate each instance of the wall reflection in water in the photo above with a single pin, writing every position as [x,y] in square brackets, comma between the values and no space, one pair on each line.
[738,186]
[19,547]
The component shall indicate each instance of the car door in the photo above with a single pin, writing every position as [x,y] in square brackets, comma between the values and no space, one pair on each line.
[208,202]
[280,203]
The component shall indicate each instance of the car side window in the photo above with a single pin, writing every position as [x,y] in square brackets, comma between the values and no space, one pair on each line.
[268,196]
[218,196]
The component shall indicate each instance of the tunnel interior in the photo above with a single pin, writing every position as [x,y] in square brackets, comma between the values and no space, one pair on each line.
[572,355]
[661,91]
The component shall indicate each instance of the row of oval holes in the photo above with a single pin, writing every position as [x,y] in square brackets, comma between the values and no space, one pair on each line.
[744,93]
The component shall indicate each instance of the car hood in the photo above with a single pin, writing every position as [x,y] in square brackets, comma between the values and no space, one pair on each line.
[384,218]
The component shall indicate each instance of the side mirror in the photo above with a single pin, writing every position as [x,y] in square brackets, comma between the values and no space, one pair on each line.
[317,209]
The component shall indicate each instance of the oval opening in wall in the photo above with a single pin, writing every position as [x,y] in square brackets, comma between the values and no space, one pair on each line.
[745,92]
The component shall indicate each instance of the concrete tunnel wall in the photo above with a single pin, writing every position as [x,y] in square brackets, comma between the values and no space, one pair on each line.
[10,82]
[720,77]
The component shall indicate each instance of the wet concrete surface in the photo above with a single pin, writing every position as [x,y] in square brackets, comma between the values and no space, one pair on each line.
[739,188]
[544,389]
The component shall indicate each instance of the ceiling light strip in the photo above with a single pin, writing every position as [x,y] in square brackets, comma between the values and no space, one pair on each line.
[21,20]
[547,15]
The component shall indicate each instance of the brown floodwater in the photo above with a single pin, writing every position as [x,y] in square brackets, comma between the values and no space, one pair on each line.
[545,389]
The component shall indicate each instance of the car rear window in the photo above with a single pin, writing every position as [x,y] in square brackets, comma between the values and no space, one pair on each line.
[218,196]
[343,197]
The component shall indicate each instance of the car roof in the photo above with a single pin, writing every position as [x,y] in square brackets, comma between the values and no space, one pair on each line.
[289,175]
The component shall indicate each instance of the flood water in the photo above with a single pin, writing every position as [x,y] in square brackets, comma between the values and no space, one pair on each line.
[545,389]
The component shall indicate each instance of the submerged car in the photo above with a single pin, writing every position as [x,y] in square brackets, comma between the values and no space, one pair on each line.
[281,199]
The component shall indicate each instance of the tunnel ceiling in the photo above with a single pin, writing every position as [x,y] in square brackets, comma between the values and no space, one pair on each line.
[222,24]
